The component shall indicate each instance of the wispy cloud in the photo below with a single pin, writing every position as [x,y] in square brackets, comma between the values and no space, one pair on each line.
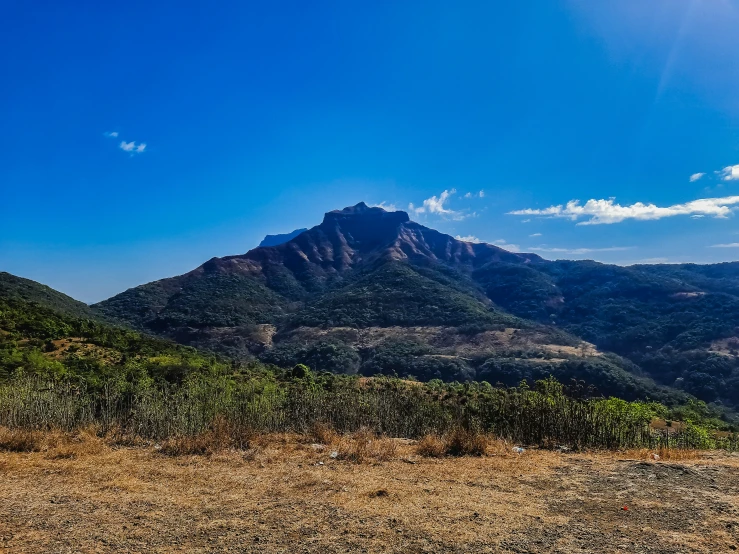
[132,147]
[480,194]
[607,211]
[502,243]
[730,173]
[385,206]
[435,204]
[579,251]
[469,238]
[652,261]
[507,245]
[695,176]
[438,205]
[727,245]
[535,235]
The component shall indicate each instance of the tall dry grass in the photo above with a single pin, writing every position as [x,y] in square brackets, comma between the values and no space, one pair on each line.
[458,442]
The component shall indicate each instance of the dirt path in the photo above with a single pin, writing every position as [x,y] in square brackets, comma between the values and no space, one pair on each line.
[281,499]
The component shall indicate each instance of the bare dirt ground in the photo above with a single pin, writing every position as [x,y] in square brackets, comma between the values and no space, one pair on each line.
[290,496]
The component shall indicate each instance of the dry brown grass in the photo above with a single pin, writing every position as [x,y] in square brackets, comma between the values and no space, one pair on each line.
[54,444]
[81,493]
[22,440]
[665,454]
[365,446]
[221,436]
[324,434]
[431,446]
[460,442]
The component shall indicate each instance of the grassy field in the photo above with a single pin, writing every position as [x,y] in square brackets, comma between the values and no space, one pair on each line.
[325,492]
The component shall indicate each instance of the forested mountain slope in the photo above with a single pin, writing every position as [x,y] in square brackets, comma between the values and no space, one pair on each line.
[43,333]
[369,290]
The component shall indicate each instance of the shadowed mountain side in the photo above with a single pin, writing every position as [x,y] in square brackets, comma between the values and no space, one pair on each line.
[366,267]
[274,240]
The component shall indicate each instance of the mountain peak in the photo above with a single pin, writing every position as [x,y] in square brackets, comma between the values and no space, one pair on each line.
[372,215]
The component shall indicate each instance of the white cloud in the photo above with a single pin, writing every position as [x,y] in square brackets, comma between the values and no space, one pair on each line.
[695,176]
[501,243]
[506,245]
[579,251]
[385,206]
[653,261]
[607,211]
[535,235]
[112,134]
[727,245]
[435,205]
[730,173]
[132,147]
[469,238]
[438,205]
[480,194]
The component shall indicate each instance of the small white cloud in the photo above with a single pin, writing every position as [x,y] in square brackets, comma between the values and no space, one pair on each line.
[481,194]
[435,205]
[111,134]
[607,211]
[695,176]
[468,195]
[727,245]
[697,216]
[653,261]
[525,221]
[385,206]
[507,245]
[469,238]
[438,205]
[535,235]
[579,251]
[132,147]
[501,243]
[730,173]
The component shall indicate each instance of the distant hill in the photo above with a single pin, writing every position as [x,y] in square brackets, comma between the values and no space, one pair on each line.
[371,291]
[46,333]
[12,287]
[274,240]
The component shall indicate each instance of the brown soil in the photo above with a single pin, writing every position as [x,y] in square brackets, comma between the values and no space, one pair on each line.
[287,495]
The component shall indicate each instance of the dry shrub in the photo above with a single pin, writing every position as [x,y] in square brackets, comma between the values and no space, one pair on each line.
[364,446]
[84,442]
[431,446]
[55,444]
[322,433]
[664,453]
[459,442]
[221,435]
[462,442]
[23,440]
[119,436]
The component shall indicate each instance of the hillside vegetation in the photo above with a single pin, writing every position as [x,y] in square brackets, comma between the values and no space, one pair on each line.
[368,270]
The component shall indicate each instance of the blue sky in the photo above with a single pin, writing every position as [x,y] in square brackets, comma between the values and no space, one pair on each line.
[143,138]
